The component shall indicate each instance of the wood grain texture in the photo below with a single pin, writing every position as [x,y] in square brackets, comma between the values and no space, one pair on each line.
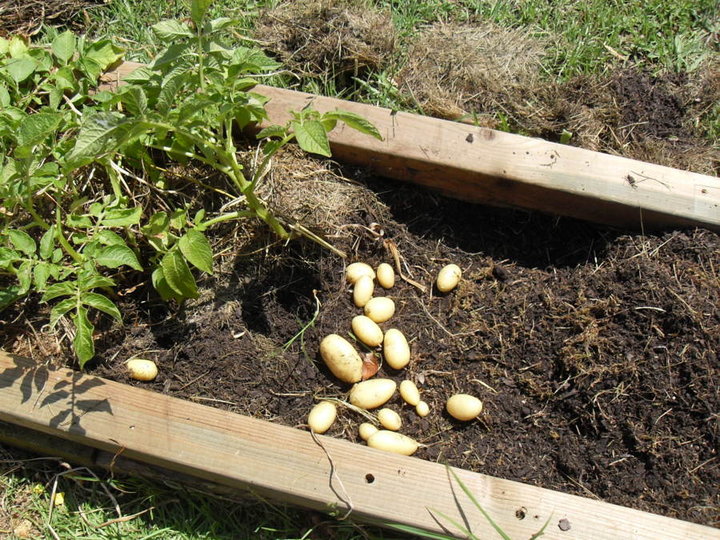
[289,465]
[503,169]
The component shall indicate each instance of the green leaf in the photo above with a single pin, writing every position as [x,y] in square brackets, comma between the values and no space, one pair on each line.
[63,46]
[101,134]
[195,247]
[108,238]
[83,342]
[311,137]
[20,68]
[171,29]
[87,282]
[198,9]
[4,96]
[178,275]
[122,217]
[162,287]
[8,256]
[102,303]
[24,276]
[219,24]
[47,243]
[60,309]
[9,295]
[36,127]
[41,273]
[65,288]
[116,255]
[272,131]
[99,56]
[22,241]
[134,99]
[354,121]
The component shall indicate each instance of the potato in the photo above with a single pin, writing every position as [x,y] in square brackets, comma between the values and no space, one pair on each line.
[357,269]
[464,407]
[373,393]
[385,276]
[342,358]
[367,331]
[410,393]
[380,309]
[390,441]
[367,430]
[322,416]
[389,419]
[396,349]
[141,369]
[363,290]
[448,278]
[422,409]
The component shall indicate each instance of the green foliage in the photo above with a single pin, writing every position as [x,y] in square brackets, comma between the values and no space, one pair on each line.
[71,157]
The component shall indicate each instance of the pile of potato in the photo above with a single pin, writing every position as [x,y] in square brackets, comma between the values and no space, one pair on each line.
[349,366]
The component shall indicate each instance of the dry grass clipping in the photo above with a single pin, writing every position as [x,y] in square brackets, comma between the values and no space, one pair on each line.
[332,37]
[454,70]
[27,16]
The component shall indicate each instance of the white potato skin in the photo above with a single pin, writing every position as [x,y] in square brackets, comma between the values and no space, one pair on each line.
[422,409]
[464,407]
[372,393]
[141,369]
[342,358]
[389,419]
[322,416]
[363,290]
[391,441]
[385,276]
[367,331]
[448,278]
[357,269]
[410,393]
[396,349]
[367,430]
[380,309]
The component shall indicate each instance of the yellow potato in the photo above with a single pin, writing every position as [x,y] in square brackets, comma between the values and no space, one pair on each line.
[363,290]
[396,349]
[464,407]
[354,271]
[389,419]
[380,309]
[391,441]
[373,393]
[410,393]
[322,416]
[342,358]
[367,430]
[141,369]
[448,278]
[385,276]
[422,409]
[367,331]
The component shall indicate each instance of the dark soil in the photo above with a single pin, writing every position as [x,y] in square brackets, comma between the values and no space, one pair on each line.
[595,352]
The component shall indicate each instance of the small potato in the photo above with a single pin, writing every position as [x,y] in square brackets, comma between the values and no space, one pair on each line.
[380,309]
[422,409]
[141,369]
[396,349]
[385,276]
[367,331]
[410,393]
[367,430]
[464,407]
[363,290]
[448,278]
[389,419]
[357,269]
[342,358]
[373,393]
[322,416]
[390,441]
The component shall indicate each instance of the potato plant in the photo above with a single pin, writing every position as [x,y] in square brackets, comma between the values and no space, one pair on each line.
[83,194]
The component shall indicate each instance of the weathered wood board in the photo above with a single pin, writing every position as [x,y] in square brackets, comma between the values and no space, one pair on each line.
[498,168]
[290,465]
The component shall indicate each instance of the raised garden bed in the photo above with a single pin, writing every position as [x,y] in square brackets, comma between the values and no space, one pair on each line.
[594,349]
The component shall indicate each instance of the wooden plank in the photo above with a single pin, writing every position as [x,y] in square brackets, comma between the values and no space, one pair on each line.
[288,464]
[493,167]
